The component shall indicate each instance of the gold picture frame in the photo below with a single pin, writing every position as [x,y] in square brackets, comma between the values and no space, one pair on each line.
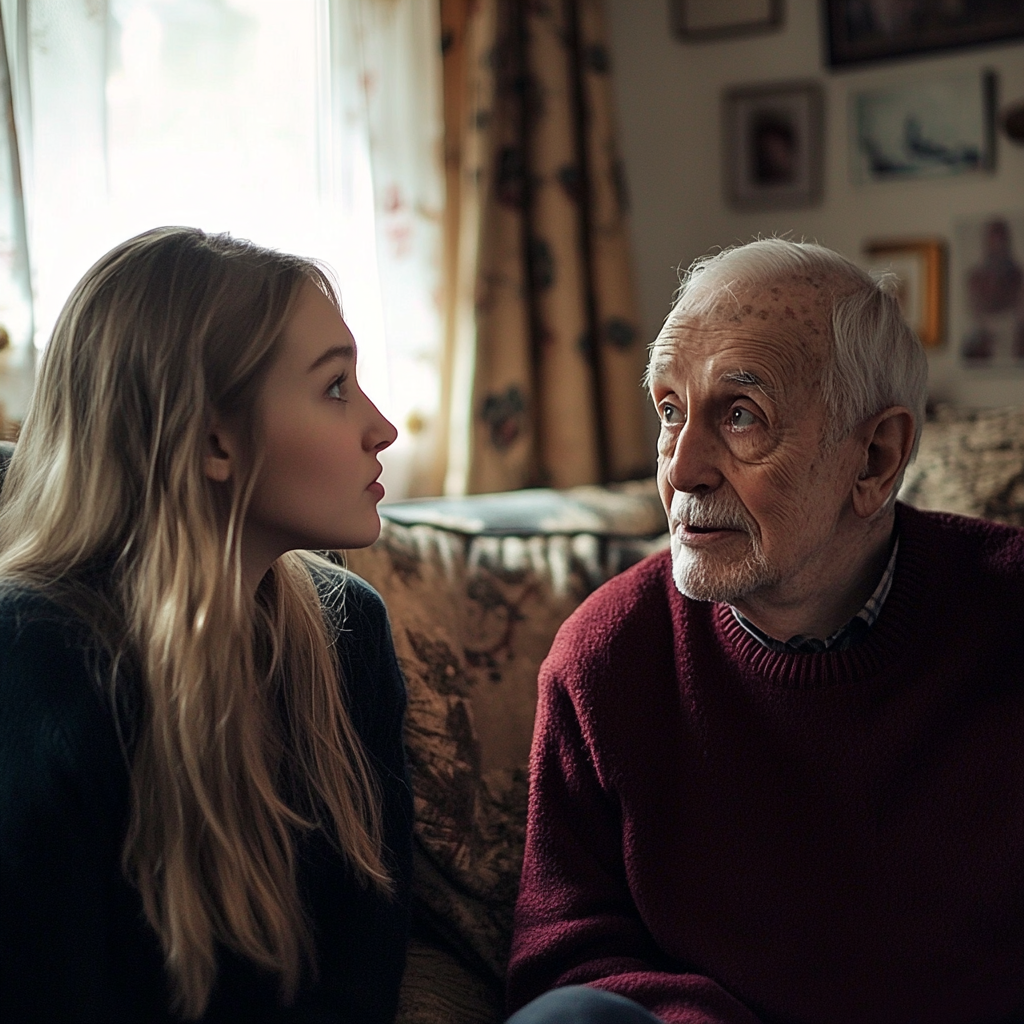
[920,266]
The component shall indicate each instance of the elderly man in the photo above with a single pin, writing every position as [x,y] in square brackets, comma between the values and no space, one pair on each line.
[778,771]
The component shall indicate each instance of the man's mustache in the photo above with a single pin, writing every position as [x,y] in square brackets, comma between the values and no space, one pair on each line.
[715,512]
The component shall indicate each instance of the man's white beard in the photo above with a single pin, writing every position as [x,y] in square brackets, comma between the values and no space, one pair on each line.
[705,577]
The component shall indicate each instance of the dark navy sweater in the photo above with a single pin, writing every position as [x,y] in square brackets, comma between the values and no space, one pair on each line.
[74,944]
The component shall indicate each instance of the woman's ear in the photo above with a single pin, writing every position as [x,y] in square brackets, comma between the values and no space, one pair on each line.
[889,440]
[221,453]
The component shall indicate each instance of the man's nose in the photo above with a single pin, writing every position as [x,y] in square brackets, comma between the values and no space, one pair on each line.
[693,461]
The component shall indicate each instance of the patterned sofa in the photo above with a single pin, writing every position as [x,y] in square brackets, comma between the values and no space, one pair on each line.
[476,589]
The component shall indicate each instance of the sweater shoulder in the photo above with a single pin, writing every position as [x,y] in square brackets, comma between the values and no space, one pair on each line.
[627,614]
[57,726]
[46,664]
[361,631]
[986,553]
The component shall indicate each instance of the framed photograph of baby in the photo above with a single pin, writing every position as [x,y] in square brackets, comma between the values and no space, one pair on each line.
[773,145]
[988,292]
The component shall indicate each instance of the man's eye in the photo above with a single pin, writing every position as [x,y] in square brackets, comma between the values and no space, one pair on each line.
[670,415]
[740,417]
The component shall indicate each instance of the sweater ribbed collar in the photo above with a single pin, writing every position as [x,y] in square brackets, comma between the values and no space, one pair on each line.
[843,638]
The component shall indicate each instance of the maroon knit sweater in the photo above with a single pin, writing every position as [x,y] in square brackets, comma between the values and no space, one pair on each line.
[727,834]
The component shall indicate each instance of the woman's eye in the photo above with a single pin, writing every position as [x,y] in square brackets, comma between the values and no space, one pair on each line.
[335,388]
[740,417]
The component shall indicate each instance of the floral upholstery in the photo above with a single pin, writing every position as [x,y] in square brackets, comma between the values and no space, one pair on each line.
[971,463]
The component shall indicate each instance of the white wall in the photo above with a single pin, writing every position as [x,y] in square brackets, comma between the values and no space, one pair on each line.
[669,96]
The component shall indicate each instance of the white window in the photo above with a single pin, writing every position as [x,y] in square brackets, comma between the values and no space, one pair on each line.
[275,120]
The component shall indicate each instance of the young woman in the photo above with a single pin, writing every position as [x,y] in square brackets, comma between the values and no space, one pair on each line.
[204,811]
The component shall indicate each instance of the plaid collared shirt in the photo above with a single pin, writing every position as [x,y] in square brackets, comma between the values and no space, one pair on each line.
[844,637]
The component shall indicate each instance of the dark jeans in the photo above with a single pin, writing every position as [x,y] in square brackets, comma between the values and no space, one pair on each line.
[580,1004]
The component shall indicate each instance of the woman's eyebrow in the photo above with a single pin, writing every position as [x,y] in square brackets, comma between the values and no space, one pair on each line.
[336,352]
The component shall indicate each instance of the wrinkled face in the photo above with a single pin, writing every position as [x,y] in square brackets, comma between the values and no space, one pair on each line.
[756,504]
[317,487]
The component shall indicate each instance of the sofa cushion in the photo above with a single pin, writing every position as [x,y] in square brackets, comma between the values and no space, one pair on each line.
[970,462]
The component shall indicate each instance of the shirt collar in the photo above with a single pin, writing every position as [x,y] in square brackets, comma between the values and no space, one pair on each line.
[844,637]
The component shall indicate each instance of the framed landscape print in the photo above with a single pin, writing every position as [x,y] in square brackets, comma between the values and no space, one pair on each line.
[872,30]
[920,268]
[924,129]
[773,145]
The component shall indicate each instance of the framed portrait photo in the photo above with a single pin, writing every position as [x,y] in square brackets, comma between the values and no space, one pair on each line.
[773,145]
[873,30]
[920,269]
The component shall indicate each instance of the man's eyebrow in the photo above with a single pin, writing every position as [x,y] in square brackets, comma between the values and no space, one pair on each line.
[337,352]
[746,379]
[662,358]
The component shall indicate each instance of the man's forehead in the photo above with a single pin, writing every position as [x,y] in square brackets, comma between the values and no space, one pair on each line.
[798,300]
[779,329]
[672,357]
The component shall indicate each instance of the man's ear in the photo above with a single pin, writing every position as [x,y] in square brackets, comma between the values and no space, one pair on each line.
[220,457]
[888,441]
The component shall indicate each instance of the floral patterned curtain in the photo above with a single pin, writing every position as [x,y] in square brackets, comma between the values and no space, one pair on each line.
[546,356]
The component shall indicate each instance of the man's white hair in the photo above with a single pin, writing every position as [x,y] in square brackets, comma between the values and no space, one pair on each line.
[875,360]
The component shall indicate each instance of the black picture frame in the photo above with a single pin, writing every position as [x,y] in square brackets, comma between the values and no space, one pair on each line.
[866,31]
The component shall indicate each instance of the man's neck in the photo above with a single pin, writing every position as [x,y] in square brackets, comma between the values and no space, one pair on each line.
[807,607]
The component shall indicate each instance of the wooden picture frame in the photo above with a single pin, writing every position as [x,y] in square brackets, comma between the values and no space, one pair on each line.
[859,32]
[920,265]
[773,145]
[703,20]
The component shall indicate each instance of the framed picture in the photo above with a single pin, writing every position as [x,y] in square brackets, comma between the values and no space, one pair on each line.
[920,267]
[773,145]
[988,293]
[699,20]
[927,129]
[871,30]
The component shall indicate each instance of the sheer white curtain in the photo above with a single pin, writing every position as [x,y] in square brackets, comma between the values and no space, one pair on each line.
[313,126]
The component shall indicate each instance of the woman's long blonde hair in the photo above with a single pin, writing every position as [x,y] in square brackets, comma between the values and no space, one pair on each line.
[239,737]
